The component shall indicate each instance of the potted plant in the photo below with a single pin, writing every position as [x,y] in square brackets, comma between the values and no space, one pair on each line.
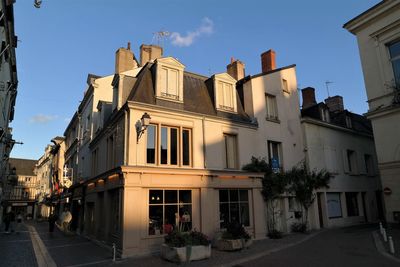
[189,246]
[234,238]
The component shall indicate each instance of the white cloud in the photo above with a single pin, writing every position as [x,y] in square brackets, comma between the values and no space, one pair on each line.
[206,27]
[42,119]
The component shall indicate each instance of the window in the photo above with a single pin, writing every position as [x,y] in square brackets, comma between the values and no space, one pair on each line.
[110,152]
[234,207]
[351,161]
[275,155]
[271,107]
[334,205]
[115,211]
[369,166]
[325,114]
[352,204]
[94,162]
[394,51]
[225,96]
[348,122]
[285,86]
[292,204]
[231,156]
[151,144]
[174,146]
[168,210]
[169,83]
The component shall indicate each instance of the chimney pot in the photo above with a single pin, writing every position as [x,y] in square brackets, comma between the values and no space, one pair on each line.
[129,46]
[268,61]
[335,103]
[149,53]
[308,95]
[236,69]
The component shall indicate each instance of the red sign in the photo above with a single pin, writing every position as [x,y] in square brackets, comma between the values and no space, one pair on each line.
[387,191]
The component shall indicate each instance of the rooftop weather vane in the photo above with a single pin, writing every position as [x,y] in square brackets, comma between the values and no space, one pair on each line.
[160,37]
[327,87]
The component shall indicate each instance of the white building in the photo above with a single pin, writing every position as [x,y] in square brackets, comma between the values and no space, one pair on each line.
[378,36]
[341,142]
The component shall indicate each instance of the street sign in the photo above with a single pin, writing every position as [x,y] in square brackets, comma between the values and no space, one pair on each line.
[387,191]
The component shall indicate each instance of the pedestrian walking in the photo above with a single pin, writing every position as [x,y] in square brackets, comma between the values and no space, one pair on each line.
[19,222]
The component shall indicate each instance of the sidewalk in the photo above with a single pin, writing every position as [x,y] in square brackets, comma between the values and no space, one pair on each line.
[16,249]
[71,249]
[220,258]
[394,231]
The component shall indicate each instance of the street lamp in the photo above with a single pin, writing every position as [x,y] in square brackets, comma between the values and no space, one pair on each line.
[142,125]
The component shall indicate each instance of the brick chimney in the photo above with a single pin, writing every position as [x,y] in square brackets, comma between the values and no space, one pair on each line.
[149,53]
[268,61]
[236,69]
[335,103]
[308,95]
[124,59]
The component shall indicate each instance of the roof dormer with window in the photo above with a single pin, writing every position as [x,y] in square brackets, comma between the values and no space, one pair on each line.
[225,93]
[169,82]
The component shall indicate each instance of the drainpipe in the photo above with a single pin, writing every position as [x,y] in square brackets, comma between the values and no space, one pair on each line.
[204,144]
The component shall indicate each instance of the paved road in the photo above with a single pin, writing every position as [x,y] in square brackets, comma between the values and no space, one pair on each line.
[16,249]
[351,246]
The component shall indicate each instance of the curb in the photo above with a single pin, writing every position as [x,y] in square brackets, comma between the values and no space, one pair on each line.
[267,252]
[42,255]
[381,248]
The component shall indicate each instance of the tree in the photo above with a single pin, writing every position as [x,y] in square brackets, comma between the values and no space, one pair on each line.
[303,183]
[273,186]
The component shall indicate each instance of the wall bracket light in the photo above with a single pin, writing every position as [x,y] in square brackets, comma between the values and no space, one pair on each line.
[142,125]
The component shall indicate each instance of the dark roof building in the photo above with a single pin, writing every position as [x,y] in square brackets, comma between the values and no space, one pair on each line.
[23,166]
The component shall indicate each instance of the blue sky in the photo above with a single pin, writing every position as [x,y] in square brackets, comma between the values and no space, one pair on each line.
[63,41]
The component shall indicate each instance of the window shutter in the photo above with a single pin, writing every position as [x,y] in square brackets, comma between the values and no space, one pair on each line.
[173,82]
[220,90]
[163,80]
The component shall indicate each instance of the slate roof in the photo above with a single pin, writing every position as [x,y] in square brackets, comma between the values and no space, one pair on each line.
[198,95]
[23,166]
[359,123]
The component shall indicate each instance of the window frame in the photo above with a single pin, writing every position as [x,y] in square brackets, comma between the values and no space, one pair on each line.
[350,206]
[394,59]
[280,152]
[340,205]
[271,110]
[285,86]
[239,202]
[235,152]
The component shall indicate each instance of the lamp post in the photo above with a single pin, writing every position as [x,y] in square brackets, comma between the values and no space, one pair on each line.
[142,125]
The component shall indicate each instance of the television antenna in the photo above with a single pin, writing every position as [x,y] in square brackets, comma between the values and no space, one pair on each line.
[160,36]
[327,83]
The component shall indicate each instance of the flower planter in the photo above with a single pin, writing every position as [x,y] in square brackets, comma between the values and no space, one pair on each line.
[229,244]
[183,254]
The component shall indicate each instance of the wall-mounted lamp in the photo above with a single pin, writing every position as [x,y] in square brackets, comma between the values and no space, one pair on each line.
[142,125]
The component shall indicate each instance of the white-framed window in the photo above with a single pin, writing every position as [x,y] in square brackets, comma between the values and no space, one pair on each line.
[169,210]
[394,52]
[234,207]
[231,153]
[348,122]
[334,205]
[271,107]
[285,86]
[226,96]
[275,155]
[325,115]
[169,83]
[167,145]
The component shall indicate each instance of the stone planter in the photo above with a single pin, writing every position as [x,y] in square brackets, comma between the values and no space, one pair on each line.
[183,254]
[233,244]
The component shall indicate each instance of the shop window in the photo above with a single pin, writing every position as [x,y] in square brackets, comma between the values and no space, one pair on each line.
[231,155]
[352,204]
[334,205]
[169,210]
[234,207]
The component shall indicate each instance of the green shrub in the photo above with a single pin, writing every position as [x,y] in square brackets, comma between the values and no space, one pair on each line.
[180,239]
[234,230]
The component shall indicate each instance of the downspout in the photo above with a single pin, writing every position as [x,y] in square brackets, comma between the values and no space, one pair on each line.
[204,144]
[126,152]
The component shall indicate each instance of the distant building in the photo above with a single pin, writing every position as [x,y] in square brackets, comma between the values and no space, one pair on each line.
[342,143]
[20,193]
[378,35]
[8,87]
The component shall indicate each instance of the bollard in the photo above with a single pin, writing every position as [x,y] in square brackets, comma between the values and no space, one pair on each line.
[114,250]
[391,245]
[384,235]
[381,228]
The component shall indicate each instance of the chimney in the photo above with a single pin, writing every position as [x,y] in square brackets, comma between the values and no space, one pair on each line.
[268,61]
[308,95]
[149,53]
[124,59]
[335,103]
[236,69]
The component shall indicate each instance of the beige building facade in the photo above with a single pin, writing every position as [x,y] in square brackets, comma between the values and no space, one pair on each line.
[378,36]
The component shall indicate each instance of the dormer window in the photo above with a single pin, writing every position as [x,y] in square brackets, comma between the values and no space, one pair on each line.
[348,122]
[325,114]
[169,82]
[225,93]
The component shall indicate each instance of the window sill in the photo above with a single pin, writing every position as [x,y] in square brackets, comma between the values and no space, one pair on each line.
[272,120]
[170,99]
